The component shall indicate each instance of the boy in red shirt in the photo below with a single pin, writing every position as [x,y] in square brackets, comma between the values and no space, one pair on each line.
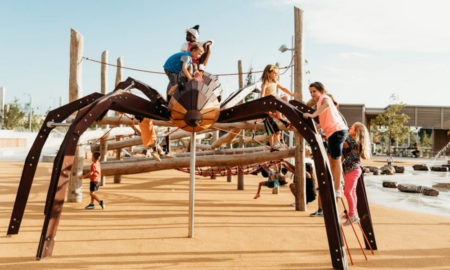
[95,176]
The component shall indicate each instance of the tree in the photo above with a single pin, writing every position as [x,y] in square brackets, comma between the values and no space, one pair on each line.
[13,116]
[391,124]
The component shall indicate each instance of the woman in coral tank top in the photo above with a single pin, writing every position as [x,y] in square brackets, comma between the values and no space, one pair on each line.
[336,131]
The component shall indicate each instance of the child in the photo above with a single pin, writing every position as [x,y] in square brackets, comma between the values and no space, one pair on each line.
[275,180]
[389,160]
[310,189]
[178,67]
[356,146]
[148,136]
[334,127]
[269,87]
[95,176]
[192,35]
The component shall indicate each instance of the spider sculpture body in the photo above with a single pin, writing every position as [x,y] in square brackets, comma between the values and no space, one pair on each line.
[194,107]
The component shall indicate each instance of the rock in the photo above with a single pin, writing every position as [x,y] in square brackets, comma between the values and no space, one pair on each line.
[430,191]
[420,167]
[409,188]
[371,168]
[366,171]
[399,169]
[389,184]
[377,172]
[443,186]
[389,170]
[439,169]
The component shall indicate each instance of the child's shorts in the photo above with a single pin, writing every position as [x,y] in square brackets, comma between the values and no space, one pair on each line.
[272,184]
[94,186]
[271,126]
[336,142]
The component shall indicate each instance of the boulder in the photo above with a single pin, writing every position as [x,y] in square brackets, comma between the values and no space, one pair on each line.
[430,191]
[389,170]
[420,167]
[371,168]
[409,188]
[377,172]
[439,169]
[366,171]
[399,169]
[389,184]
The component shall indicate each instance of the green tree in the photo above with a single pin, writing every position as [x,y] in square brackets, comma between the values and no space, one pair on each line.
[13,115]
[391,124]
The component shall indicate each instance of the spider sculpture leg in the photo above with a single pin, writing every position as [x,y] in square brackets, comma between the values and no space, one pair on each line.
[255,109]
[117,100]
[32,159]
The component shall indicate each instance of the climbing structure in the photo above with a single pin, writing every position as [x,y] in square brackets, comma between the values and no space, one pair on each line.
[93,107]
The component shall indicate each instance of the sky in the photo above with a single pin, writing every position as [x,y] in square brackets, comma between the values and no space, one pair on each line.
[363,51]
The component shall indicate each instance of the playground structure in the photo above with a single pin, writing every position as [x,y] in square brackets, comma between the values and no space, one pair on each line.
[195,108]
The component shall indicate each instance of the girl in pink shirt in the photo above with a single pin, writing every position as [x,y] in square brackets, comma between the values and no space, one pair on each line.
[336,131]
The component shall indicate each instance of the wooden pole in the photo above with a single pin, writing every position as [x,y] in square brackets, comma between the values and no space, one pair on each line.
[118,177]
[240,181]
[300,200]
[104,86]
[192,187]
[75,92]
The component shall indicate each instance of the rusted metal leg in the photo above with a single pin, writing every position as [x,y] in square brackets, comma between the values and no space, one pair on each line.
[47,241]
[364,214]
[32,159]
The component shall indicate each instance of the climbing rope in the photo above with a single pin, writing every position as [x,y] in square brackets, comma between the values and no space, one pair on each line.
[228,171]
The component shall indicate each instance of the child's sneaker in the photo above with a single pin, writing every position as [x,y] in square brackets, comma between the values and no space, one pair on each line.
[256,196]
[318,213]
[90,206]
[156,156]
[293,204]
[102,204]
[351,220]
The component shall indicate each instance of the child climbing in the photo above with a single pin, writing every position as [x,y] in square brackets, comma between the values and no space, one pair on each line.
[150,141]
[275,180]
[178,68]
[269,87]
[192,35]
[95,175]
[309,175]
[356,146]
[334,128]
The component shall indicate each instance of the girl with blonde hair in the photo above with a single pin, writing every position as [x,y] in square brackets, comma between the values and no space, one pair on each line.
[356,146]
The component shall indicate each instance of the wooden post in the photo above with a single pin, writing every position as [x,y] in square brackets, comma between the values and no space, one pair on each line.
[75,92]
[300,201]
[192,187]
[118,177]
[119,74]
[240,181]
[229,177]
[104,86]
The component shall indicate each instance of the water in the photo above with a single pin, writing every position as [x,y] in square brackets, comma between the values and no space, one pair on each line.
[394,198]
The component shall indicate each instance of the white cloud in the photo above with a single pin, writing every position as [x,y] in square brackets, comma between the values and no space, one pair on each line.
[399,25]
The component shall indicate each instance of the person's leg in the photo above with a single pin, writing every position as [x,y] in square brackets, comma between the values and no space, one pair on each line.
[94,197]
[336,170]
[292,188]
[335,144]
[351,180]
[259,190]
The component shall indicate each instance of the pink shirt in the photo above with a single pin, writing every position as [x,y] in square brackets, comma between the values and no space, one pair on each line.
[330,119]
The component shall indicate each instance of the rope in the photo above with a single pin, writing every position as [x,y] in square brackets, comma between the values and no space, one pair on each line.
[253,139]
[229,171]
[158,72]
[104,135]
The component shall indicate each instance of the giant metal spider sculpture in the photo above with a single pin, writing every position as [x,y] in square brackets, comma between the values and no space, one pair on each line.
[193,107]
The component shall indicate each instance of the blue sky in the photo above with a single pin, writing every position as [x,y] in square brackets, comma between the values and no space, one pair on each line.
[361,50]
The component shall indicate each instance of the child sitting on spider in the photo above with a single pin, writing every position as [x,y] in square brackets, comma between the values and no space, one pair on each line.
[275,180]
[269,87]
[192,35]
[178,68]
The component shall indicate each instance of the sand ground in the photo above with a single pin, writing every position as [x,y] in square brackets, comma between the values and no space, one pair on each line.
[145,227]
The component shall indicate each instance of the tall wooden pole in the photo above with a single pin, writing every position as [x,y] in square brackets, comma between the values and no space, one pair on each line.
[75,92]
[118,177]
[192,187]
[300,200]
[104,86]
[240,181]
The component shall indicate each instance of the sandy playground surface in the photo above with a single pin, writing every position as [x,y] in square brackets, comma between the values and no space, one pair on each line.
[145,227]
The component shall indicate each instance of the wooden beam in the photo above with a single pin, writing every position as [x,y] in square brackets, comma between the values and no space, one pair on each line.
[148,165]
[226,138]
[74,193]
[300,200]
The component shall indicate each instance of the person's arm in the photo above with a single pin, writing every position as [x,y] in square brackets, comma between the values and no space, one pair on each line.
[325,105]
[263,90]
[287,91]
[186,71]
